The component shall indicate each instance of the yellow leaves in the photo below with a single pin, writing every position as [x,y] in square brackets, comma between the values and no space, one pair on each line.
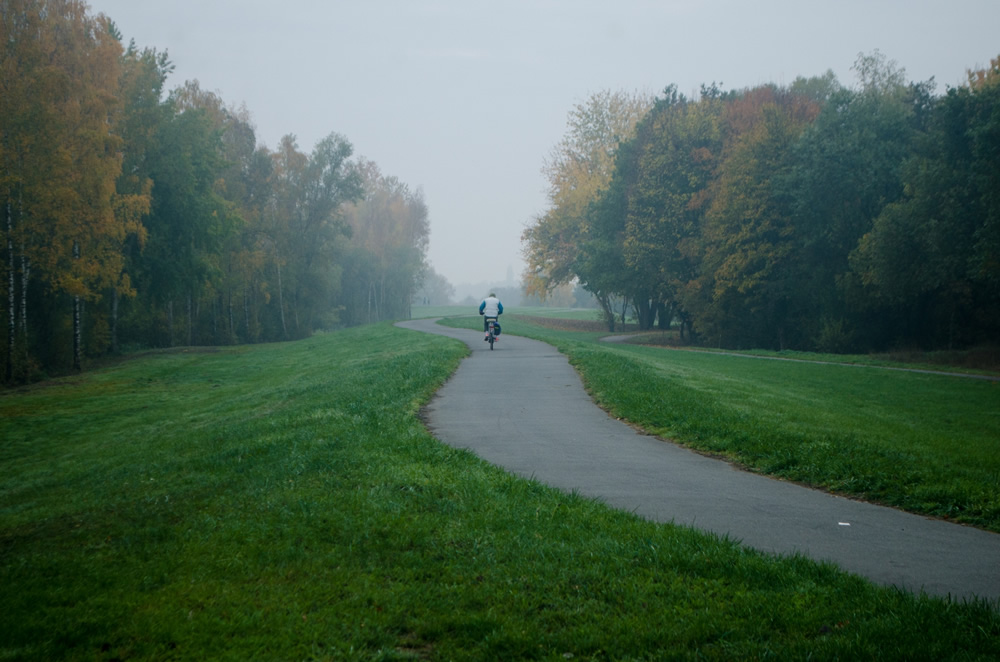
[986,77]
[534,285]
[129,211]
[577,184]
[579,169]
[125,287]
[64,153]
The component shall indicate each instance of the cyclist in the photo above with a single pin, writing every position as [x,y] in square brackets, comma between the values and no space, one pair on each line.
[490,308]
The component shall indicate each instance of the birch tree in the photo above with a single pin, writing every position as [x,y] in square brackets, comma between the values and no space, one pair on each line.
[387,251]
[60,156]
[311,192]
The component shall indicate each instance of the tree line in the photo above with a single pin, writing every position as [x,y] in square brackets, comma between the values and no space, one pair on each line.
[813,216]
[133,217]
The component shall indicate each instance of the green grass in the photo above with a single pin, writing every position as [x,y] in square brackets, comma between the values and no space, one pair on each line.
[583,314]
[283,502]
[424,312]
[940,362]
[927,443]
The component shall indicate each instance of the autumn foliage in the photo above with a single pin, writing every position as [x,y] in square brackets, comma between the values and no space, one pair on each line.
[812,216]
[135,217]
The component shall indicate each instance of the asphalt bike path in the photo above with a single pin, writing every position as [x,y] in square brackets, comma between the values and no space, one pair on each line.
[523,407]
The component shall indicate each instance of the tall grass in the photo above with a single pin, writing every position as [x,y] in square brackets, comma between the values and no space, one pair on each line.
[283,502]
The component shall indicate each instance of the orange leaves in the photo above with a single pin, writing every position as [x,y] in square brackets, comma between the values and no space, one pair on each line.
[65,159]
[985,77]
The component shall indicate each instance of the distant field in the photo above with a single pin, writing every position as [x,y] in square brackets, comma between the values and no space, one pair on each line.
[424,312]
[586,314]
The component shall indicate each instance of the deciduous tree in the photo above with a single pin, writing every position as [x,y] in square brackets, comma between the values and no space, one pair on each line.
[932,258]
[848,167]
[677,148]
[387,251]
[577,170]
[750,263]
[61,156]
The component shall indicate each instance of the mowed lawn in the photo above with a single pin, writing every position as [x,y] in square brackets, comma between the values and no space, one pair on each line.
[284,502]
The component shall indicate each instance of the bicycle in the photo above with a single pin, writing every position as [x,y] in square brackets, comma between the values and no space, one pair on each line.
[493,330]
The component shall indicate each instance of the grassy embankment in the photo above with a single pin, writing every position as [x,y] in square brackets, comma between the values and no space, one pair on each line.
[284,502]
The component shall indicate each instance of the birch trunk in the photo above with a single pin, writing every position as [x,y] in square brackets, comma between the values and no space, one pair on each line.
[170,321]
[281,302]
[11,289]
[232,320]
[381,297]
[114,320]
[25,279]
[77,330]
[246,314]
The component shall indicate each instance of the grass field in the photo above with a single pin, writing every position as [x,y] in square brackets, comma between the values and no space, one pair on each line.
[283,502]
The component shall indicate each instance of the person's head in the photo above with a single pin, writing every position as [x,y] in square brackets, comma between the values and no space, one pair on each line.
[493,294]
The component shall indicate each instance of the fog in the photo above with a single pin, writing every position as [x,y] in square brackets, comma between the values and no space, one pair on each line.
[466,99]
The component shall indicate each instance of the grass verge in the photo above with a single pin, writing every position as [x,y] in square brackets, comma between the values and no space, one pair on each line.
[283,502]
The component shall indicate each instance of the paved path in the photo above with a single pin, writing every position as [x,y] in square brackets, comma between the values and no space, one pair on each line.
[533,417]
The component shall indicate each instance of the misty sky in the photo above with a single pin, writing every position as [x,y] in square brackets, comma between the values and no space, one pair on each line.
[465,99]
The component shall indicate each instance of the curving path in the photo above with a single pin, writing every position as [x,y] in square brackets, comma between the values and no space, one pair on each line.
[523,407]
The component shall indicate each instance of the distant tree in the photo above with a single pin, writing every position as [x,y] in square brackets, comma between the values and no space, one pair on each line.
[665,197]
[932,258]
[150,211]
[817,88]
[582,298]
[848,167]
[312,193]
[187,225]
[387,252]
[434,290]
[579,167]
[878,75]
[750,263]
[60,160]
[600,264]
[144,114]
[247,183]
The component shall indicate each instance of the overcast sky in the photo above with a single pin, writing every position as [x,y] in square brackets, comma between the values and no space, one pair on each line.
[465,99]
